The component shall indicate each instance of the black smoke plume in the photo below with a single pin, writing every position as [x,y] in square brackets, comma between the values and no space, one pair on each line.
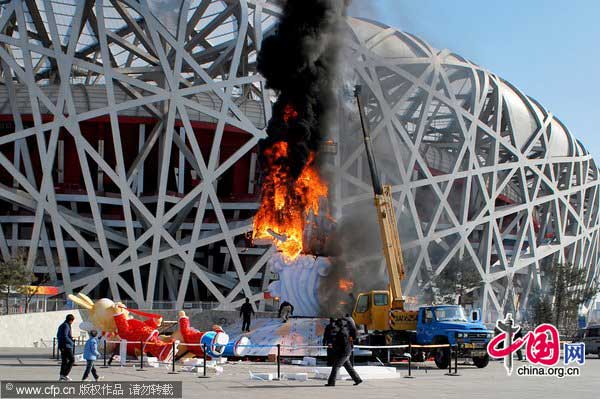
[298,61]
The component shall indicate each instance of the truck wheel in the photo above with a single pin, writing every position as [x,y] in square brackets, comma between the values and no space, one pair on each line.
[442,359]
[598,352]
[481,362]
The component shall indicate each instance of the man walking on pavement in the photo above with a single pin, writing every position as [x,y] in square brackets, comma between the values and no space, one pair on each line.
[328,336]
[246,313]
[66,346]
[285,311]
[342,349]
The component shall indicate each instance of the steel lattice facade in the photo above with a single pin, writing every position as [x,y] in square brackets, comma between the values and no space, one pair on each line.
[480,172]
[128,154]
[129,136]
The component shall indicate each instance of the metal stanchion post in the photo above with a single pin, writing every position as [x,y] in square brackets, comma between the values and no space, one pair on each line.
[409,360]
[54,348]
[204,357]
[104,365]
[456,360]
[449,349]
[141,356]
[388,355]
[173,359]
[205,361]
[278,362]
[450,360]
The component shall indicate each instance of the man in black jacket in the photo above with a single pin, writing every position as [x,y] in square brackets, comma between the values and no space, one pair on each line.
[66,346]
[342,349]
[351,326]
[328,335]
[246,312]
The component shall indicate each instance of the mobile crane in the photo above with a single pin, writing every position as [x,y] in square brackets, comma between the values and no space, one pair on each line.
[382,312]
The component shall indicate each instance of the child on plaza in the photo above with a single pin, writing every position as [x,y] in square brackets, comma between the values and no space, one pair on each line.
[90,354]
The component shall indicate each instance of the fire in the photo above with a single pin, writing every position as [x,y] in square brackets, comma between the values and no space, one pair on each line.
[345,285]
[289,113]
[286,201]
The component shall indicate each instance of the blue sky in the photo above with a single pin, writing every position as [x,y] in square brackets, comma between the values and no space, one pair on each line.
[548,49]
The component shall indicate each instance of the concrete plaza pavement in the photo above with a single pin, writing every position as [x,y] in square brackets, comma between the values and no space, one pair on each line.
[234,382]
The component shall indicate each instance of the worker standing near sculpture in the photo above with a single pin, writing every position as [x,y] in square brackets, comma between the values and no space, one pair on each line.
[342,349]
[285,311]
[328,336]
[246,312]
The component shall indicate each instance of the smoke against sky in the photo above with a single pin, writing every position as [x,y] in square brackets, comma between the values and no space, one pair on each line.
[544,47]
[298,62]
[365,9]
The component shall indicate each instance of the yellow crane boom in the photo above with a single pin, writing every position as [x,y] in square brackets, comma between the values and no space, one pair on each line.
[386,217]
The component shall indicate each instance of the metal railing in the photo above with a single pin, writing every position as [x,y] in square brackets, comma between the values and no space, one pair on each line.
[17,305]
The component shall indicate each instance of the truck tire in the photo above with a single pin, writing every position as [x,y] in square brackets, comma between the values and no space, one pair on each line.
[481,362]
[442,358]
[599,352]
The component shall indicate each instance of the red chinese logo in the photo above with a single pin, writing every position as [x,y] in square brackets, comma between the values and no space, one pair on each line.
[543,345]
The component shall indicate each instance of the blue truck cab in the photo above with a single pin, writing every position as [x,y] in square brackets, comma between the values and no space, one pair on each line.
[449,324]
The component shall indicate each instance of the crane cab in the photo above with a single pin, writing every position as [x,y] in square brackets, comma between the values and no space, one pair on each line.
[371,309]
[374,310]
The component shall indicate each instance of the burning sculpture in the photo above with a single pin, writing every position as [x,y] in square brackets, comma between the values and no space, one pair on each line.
[298,62]
[299,281]
[286,201]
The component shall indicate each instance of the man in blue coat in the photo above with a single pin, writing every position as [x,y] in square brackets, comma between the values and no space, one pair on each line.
[66,346]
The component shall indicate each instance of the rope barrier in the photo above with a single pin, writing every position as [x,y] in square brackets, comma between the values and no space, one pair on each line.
[407,356]
[296,347]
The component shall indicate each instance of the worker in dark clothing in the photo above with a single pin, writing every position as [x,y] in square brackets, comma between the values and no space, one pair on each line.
[246,313]
[286,310]
[519,334]
[351,326]
[66,346]
[496,333]
[328,335]
[342,349]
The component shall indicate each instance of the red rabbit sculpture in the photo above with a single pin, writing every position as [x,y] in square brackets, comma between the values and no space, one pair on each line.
[215,341]
[146,331]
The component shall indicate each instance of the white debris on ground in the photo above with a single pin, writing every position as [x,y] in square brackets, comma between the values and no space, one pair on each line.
[196,365]
[366,373]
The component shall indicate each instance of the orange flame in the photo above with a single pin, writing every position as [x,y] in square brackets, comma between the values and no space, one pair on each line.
[289,113]
[286,202]
[345,285]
